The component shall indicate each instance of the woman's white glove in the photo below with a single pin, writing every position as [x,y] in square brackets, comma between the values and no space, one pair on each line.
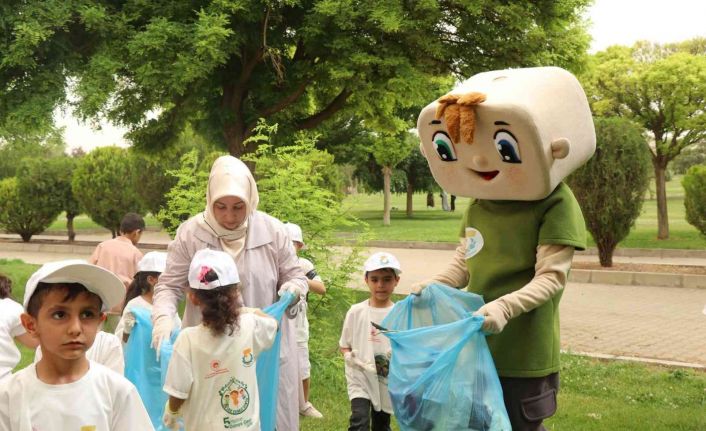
[292,288]
[170,418]
[352,360]
[496,317]
[128,322]
[161,331]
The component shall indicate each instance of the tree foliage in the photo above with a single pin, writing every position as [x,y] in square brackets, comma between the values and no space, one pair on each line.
[611,186]
[14,147]
[49,182]
[661,87]
[694,183]
[102,186]
[156,66]
[25,214]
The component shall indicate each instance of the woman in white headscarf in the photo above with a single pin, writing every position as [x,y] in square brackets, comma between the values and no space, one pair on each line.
[267,265]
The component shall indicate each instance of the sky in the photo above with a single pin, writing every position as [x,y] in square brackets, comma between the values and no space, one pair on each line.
[613,22]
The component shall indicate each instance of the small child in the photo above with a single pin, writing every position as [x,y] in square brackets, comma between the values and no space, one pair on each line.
[65,303]
[316,285]
[11,329]
[141,291]
[366,351]
[211,374]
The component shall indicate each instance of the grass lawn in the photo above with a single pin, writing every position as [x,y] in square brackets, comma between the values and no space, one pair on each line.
[433,224]
[595,395]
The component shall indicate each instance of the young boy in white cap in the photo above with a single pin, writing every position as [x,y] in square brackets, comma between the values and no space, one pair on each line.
[211,375]
[366,351]
[316,285]
[65,303]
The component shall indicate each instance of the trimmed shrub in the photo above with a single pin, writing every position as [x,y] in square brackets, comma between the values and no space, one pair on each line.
[611,186]
[22,213]
[102,184]
[694,183]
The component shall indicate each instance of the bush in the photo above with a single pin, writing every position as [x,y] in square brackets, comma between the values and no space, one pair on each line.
[51,179]
[694,183]
[102,185]
[611,186]
[22,213]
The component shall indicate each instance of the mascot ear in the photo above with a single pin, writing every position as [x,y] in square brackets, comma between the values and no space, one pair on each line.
[560,148]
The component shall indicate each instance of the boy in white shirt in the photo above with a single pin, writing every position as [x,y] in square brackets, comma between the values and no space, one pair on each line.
[316,285]
[211,374]
[11,329]
[366,351]
[65,303]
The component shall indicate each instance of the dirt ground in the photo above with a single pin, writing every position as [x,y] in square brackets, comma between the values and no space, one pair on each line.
[643,267]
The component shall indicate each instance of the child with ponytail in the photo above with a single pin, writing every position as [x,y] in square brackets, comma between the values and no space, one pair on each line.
[218,356]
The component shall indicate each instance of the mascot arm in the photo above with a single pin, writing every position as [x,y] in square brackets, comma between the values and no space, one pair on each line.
[455,274]
[551,273]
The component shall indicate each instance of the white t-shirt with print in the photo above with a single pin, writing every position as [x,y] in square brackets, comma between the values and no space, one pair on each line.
[301,321]
[106,350]
[216,375]
[138,302]
[101,400]
[366,342]
[10,327]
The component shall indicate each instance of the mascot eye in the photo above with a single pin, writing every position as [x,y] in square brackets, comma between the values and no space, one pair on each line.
[507,147]
[444,147]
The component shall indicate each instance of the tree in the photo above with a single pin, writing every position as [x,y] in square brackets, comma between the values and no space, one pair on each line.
[416,170]
[389,151]
[611,186]
[103,187]
[50,182]
[663,89]
[155,67]
[694,183]
[14,147]
[24,214]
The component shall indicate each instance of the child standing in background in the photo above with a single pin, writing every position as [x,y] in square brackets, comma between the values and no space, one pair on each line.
[120,255]
[140,292]
[316,285]
[366,351]
[211,375]
[11,329]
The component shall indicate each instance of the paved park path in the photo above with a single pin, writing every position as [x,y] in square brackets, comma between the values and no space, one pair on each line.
[665,324]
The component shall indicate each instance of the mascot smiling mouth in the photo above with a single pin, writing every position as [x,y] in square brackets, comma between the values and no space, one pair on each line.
[487,175]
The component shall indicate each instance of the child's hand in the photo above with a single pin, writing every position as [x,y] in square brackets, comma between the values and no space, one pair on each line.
[170,418]
[129,322]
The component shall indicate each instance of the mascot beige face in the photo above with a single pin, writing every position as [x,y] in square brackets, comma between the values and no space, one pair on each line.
[509,134]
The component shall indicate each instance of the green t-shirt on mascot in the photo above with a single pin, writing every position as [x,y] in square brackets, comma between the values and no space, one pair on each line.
[508,138]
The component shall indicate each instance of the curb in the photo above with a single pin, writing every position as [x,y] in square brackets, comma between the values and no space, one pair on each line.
[626,278]
[652,361]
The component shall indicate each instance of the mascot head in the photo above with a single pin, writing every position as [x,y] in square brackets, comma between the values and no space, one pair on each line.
[509,134]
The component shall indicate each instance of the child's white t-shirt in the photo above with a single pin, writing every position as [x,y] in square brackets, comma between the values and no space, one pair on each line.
[100,400]
[216,375]
[10,327]
[301,321]
[138,302]
[106,350]
[370,347]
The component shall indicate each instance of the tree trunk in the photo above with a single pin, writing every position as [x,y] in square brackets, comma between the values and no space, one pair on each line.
[430,200]
[661,191]
[70,226]
[605,253]
[26,236]
[386,175]
[410,203]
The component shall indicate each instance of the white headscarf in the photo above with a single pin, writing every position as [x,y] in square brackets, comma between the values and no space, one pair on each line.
[229,177]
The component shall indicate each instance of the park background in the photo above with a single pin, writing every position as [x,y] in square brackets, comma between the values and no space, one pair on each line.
[347,179]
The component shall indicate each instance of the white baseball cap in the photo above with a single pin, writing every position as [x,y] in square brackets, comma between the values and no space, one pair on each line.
[95,279]
[382,259]
[154,261]
[295,232]
[219,264]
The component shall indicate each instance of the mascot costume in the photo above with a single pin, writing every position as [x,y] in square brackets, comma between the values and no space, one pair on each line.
[507,139]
